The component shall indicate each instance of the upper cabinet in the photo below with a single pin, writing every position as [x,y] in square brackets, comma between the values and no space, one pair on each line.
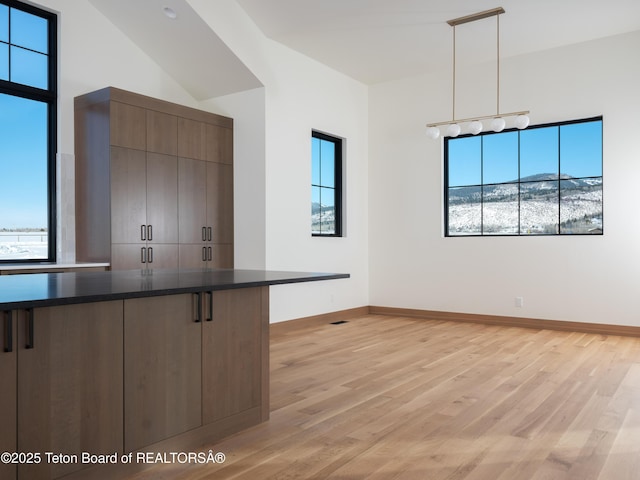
[154,183]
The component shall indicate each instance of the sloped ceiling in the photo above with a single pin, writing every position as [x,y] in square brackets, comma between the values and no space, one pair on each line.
[185,47]
[380,40]
[369,40]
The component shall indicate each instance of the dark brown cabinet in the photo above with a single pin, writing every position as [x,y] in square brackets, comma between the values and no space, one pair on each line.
[192,360]
[8,395]
[66,387]
[162,368]
[206,228]
[154,183]
[234,330]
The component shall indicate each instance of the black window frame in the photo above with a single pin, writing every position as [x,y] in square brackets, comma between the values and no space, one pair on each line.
[338,146]
[48,96]
[519,182]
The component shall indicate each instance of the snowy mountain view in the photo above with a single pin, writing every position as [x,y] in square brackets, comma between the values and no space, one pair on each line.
[323,219]
[580,207]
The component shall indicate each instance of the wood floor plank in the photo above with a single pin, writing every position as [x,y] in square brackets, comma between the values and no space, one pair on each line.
[393,398]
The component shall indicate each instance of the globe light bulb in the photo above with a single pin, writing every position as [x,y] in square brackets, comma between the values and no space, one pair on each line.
[475,127]
[453,130]
[433,133]
[522,122]
[498,124]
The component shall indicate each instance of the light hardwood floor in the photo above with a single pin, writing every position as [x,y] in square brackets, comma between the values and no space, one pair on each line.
[383,398]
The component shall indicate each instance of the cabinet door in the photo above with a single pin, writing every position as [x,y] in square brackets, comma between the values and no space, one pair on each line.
[128,126]
[8,406]
[162,198]
[161,256]
[70,384]
[193,255]
[220,202]
[162,133]
[191,139]
[162,368]
[128,196]
[192,194]
[220,256]
[219,144]
[233,352]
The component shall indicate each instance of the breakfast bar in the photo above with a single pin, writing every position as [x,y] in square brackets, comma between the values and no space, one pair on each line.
[99,365]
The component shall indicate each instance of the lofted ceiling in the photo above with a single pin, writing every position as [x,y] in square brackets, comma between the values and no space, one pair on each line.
[184,46]
[369,40]
[381,40]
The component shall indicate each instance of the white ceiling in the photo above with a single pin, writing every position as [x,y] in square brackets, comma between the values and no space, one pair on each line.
[185,47]
[369,40]
[380,40]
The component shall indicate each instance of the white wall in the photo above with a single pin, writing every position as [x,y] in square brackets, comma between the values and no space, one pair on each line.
[272,145]
[301,95]
[585,278]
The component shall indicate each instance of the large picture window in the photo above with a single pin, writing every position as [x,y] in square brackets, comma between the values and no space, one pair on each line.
[545,180]
[27,132]
[326,185]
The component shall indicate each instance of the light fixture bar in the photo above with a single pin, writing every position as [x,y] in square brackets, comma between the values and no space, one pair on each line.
[472,119]
[476,16]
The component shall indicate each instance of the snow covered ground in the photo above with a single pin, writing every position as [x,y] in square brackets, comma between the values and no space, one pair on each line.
[19,246]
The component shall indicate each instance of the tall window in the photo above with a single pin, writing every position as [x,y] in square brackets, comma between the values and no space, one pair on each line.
[326,185]
[27,132]
[545,180]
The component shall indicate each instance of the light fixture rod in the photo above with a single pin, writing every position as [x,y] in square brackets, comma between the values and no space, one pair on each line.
[486,117]
[453,97]
[476,16]
[497,63]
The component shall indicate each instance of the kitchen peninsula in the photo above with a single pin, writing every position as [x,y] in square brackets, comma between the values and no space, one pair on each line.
[134,360]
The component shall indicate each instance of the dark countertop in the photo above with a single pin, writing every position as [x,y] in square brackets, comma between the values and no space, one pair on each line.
[49,289]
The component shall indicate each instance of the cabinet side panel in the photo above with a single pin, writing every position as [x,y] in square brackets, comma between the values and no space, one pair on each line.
[232,354]
[8,400]
[265,353]
[92,182]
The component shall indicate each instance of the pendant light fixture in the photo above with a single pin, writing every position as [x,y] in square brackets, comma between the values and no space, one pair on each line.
[474,124]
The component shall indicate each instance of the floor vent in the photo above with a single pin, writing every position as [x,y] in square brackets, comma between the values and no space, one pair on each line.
[339,322]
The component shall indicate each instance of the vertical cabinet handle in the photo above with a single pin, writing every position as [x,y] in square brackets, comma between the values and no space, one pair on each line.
[143,232]
[204,254]
[143,255]
[30,335]
[209,233]
[204,234]
[210,315]
[150,255]
[198,307]
[149,232]
[8,332]
[210,254]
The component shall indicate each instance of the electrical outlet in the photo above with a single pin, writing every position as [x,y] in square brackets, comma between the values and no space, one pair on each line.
[519,302]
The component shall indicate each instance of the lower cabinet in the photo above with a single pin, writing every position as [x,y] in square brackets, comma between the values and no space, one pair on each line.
[162,368]
[8,394]
[191,360]
[118,376]
[69,382]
